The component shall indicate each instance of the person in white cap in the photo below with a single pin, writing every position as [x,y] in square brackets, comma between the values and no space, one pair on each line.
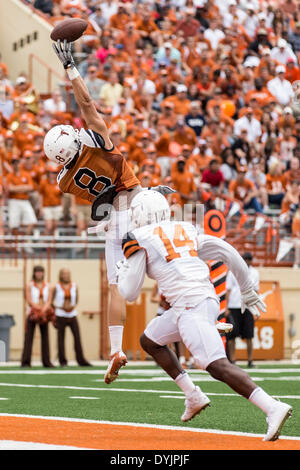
[167,53]
[282,52]
[281,88]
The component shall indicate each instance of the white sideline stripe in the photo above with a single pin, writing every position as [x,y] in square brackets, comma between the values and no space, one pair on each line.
[72,387]
[22,445]
[2,398]
[145,425]
[142,372]
[106,389]
[86,398]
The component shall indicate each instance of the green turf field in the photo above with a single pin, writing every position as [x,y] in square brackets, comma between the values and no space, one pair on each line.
[144,394]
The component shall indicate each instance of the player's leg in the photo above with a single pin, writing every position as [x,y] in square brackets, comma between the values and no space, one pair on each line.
[276,411]
[161,331]
[203,340]
[117,305]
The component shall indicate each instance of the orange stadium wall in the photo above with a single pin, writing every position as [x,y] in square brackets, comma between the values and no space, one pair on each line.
[23,33]
[87,275]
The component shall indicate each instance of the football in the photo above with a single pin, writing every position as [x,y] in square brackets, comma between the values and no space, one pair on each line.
[70,29]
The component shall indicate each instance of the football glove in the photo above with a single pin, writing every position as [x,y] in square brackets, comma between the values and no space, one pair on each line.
[253,302]
[64,53]
[163,189]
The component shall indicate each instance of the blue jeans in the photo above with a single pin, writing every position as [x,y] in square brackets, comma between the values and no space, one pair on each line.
[254,204]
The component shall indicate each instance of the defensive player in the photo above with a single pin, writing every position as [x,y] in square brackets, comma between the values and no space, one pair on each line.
[173,254]
[95,170]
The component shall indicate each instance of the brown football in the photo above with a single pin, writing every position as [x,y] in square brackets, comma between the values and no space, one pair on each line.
[70,29]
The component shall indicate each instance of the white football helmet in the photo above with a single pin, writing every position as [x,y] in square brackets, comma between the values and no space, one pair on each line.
[149,207]
[61,144]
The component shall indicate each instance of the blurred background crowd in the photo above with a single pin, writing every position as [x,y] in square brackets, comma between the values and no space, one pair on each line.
[201,95]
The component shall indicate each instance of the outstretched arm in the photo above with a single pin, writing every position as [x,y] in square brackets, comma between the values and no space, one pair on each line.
[87,106]
[210,247]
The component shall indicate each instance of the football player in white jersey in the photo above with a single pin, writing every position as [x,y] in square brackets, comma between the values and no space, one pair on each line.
[173,253]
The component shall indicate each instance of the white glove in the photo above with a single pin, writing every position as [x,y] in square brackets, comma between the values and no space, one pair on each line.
[253,302]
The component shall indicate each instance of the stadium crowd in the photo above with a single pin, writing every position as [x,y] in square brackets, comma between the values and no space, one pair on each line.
[200,95]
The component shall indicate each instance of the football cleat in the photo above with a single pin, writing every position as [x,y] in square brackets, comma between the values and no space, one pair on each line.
[276,419]
[194,404]
[224,327]
[117,361]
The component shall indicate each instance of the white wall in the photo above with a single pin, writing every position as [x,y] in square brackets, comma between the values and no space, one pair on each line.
[17,22]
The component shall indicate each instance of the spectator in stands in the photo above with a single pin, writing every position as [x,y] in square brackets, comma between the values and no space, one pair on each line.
[65,298]
[195,119]
[214,177]
[282,52]
[258,177]
[51,202]
[20,212]
[184,182]
[228,167]
[55,104]
[214,34]
[245,191]
[281,88]
[81,211]
[93,83]
[111,92]
[249,123]
[294,38]
[275,183]
[39,312]
[46,6]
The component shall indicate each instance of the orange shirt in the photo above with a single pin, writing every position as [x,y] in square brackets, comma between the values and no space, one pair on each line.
[292,74]
[275,184]
[296,227]
[240,190]
[24,140]
[180,106]
[119,21]
[162,145]
[23,178]
[34,172]
[184,182]
[188,137]
[50,193]
[94,170]
[174,199]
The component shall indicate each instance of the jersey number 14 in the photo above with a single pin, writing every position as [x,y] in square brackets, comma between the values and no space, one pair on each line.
[180,239]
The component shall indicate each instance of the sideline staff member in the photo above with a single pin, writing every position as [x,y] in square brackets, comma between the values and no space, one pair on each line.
[38,297]
[243,323]
[65,299]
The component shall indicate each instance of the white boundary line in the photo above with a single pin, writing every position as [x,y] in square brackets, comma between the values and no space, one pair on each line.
[107,389]
[144,425]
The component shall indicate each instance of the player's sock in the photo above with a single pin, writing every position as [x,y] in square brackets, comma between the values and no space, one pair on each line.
[261,399]
[184,382]
[116,338]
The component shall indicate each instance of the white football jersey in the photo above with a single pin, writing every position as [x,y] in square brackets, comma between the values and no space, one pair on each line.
[172,260]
